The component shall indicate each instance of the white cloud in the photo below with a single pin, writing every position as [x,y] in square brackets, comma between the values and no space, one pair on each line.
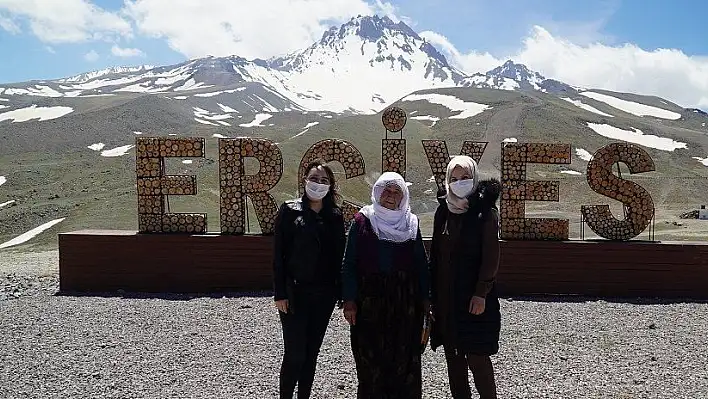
[68,21]
[91,56]
[254,29]
[471,62]
[391,11]
[582,33]
[9,25]
[50,49]
[126,52]
[667,73]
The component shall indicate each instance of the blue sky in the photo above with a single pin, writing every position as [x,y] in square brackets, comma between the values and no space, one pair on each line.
[489,26]
[44,39]
[500,24]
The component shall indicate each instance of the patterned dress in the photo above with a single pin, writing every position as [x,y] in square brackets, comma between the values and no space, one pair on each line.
[388,282]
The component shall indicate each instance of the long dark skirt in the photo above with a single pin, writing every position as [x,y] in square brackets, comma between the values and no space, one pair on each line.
[460,331]
[479,334]
[386,337]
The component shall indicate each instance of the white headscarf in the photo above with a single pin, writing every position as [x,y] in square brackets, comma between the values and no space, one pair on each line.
[454,203]
[398,225]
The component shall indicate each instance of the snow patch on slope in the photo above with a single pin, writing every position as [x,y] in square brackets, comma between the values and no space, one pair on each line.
[23,238]
[586,107]
[583,154]
[117,152]
[703,161]
[226,108]
[208,118]
[257,120]
[34,112]
[191,84]
[431,118]
[467,109]
[307,127]
[636,136]
[216,93]
[632,107]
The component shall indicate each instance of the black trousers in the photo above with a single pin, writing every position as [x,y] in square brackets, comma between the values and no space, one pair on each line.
[303,333]
[482,372]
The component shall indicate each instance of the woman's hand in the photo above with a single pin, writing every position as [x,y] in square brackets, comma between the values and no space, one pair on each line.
[350,312]
[477,304]
[282,305]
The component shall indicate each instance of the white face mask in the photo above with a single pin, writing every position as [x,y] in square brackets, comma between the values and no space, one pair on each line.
[316,191]
[462,188]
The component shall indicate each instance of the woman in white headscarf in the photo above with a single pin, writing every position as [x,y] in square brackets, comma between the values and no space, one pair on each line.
[385,288]
[464,257]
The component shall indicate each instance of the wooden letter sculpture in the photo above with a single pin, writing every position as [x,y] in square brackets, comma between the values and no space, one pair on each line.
[638,202]
[516,190]
[153,185]
[235,185]
[393,151]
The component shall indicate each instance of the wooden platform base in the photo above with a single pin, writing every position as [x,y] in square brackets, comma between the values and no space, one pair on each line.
[92,261]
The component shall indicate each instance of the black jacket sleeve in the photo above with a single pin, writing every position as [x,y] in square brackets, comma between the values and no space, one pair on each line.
[341,245]
[433,257]
[349,267]
[279,251]
[421,260]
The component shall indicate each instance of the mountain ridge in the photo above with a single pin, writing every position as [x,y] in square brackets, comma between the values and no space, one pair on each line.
[358,67]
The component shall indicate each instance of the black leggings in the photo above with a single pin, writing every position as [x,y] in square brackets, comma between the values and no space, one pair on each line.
[482,371]
[303,333]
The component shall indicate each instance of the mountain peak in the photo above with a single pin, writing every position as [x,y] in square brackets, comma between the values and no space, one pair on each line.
[376,40]
[513,76]
[373,28]
[370,49]
[518,72]
[370,28]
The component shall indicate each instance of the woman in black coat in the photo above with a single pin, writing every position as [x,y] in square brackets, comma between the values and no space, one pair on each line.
[464,258]
[308,252]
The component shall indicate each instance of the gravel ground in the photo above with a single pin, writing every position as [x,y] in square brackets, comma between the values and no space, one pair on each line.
[28,273]
[229,347]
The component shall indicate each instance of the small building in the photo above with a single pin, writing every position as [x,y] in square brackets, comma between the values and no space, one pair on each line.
[703,213]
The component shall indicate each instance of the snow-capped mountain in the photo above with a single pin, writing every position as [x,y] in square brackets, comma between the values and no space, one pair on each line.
[365,64]
[84,77]
[358,67]
[512,76]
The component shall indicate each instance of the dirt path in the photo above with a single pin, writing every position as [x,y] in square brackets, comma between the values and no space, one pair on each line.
[503,124]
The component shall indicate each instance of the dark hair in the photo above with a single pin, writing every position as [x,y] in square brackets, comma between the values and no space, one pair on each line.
[332,198]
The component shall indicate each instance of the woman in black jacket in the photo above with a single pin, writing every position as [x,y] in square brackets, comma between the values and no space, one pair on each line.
[464,258]
[309,247]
